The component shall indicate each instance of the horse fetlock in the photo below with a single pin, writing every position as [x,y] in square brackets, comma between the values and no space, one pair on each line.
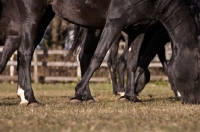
[75,100]
[29,96]
[20,94]
[134,99]
[179,95]
[78,96]
[123,99]
[121,93]
[87,97]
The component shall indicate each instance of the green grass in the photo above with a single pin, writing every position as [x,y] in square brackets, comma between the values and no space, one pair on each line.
[159,112]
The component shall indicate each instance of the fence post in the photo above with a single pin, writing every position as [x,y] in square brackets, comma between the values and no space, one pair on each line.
[35,72]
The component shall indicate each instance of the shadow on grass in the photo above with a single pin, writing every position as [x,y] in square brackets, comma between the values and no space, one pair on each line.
[171,99]
[9,101]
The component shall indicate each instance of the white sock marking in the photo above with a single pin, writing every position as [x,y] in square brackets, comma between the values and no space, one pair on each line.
[20,93]
[179,95]
[121,93]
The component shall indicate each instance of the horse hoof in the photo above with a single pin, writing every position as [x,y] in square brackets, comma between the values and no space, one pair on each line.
[23,104]
[75,101]
[123,99]
[90,101]
[33,104]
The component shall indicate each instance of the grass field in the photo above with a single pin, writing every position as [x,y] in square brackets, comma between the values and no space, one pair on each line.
[159,112]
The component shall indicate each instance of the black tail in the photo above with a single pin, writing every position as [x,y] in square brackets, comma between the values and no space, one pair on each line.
[78,39]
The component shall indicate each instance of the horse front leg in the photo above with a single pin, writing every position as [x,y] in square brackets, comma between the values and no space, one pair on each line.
[109,34]
[12,43]
[24,89]
[121,73]
[31,34]
[133,55]
[122,65]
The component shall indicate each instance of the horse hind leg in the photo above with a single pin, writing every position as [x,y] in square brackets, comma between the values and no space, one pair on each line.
[89,40]
[109,34]
[132,59]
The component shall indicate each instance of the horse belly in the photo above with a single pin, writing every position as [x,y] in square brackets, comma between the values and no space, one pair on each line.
[90,13]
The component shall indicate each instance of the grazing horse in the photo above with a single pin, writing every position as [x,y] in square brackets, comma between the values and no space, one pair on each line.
[27,20]
[156,36]
[175,15]
[89,41]
[150,43]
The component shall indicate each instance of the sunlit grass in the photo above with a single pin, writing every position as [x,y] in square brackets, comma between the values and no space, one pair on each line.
[159,112]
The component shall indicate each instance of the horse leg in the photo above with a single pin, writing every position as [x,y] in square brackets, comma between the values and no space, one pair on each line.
[25,53]
[88,46]
[112,64]
[163,60]
[109,34]
[122,65]
[11,45]
[121,73]
[155,39]
[142,81]
[132,60]
[162,57]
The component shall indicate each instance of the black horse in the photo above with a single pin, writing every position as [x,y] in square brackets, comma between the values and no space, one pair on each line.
[150,41]
[173,25]
[89,39]
[27,20]
[153,43]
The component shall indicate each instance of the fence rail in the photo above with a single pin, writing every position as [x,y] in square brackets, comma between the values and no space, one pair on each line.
[35,63]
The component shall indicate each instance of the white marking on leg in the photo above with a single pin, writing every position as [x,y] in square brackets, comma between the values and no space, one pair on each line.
[121,93]
[111,69]
[179,95]
[129,49]
[20,93]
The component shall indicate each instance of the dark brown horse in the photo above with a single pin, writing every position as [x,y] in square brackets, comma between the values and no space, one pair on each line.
[25,22]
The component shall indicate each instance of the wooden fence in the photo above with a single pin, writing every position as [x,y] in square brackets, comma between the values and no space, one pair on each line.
[35,64]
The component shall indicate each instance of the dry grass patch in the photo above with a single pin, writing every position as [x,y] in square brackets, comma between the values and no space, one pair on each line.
[159,112]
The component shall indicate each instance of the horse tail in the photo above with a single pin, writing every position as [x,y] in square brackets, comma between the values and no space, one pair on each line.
[77,41]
